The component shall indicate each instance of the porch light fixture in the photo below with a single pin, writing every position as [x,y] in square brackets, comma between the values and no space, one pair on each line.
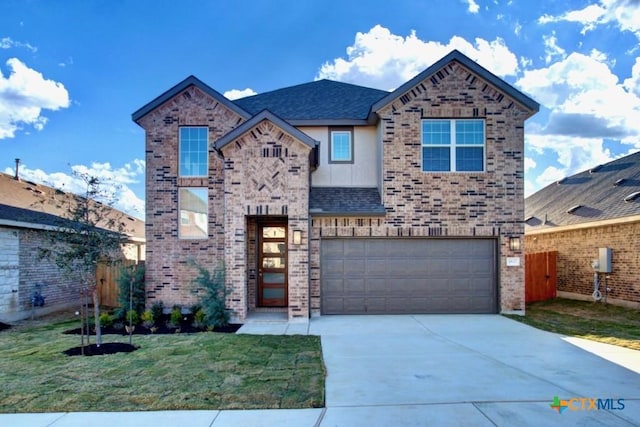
[514,243]
[297,237]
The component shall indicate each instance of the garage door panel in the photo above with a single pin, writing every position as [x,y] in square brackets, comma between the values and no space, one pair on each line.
[410,275]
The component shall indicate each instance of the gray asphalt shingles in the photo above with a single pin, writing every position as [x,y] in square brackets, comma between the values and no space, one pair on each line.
[594,190]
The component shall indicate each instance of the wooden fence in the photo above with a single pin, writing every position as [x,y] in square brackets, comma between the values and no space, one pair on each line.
[107,275]
[540,276]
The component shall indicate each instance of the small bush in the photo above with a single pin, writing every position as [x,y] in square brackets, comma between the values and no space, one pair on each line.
[157,311]
[132,317]
[106,319]
[213,292]
[147,319]
[199,318]
[175,317]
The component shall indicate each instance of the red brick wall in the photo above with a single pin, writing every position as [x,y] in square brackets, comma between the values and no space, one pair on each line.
[488,203]
[168,274]
[577,248]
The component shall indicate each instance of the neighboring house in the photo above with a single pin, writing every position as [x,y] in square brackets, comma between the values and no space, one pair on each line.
[327,197]
[578,215]
[28,212]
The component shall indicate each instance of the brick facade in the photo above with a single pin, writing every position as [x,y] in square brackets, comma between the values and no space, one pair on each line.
[577,248]
[265,173]
[167,259]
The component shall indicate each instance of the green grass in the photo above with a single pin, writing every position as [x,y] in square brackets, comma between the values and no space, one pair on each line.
[594,321]
[181,371]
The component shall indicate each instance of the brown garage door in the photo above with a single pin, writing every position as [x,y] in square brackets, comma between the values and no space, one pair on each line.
[411,275]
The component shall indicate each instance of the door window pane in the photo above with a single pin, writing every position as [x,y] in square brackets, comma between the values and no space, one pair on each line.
[273,262]
[273,293]
[273,232]
[276,278]
[273,247]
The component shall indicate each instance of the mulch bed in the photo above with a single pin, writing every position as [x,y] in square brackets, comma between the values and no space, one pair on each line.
[106,348]
[141,330]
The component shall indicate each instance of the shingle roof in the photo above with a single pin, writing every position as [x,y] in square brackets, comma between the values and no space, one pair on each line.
[592,195]
[35,203]
[323,101]
[345,201]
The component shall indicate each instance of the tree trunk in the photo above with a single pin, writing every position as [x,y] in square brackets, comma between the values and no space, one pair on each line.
[96,315]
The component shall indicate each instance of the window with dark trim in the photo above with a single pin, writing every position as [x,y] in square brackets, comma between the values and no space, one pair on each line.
[453,145]
[341,145]
[193,151]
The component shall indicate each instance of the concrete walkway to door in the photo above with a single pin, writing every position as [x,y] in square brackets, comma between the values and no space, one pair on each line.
[483,370]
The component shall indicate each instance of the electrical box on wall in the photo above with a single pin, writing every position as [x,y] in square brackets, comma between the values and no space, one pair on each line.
[604,260]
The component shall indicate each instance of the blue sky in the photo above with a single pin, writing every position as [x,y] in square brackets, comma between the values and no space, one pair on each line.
[73,71]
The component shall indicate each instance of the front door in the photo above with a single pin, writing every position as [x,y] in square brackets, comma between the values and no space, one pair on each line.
[272,265]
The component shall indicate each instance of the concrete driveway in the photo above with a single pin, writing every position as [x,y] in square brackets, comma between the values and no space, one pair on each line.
[469,370]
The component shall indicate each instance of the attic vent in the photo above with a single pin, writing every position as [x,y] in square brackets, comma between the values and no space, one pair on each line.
[572,209]
[631,197]
[561,181]
[596,169]
[619,182]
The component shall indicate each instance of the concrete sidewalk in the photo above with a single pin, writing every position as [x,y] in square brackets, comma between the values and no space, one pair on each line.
[427,370]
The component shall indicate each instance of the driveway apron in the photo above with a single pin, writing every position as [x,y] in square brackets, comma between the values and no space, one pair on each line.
[478,369]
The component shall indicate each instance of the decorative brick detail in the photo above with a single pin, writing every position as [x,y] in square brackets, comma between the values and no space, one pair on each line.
[578,248]
[266,175]
[168,274]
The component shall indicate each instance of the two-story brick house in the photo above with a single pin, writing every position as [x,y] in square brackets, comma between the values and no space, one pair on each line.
[327,197]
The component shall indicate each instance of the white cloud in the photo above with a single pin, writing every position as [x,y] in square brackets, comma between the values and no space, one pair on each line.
[472,6]
[529,163]
[9,43]
[632,84]
[624,13]
[585,98]
[237,93]
[23,96]
[116,182]
[384,60]
[552,50]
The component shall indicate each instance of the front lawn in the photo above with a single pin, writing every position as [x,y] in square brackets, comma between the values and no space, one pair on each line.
[180,371]
[594,321]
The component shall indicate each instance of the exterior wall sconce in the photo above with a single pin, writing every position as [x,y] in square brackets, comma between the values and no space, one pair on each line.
[514,243]
[297,237]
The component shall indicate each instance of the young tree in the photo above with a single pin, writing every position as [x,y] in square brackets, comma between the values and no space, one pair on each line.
[91,232]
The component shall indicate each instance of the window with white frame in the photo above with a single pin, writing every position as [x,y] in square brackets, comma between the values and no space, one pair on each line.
[194,152]
[453,145]
[194,212]
[341,145]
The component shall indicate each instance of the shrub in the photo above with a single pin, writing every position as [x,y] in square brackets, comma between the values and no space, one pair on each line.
[175,317]
[106,319]
[212,291]
[199,318]
[132,317]
[157,311]
[147,319]
[135,272]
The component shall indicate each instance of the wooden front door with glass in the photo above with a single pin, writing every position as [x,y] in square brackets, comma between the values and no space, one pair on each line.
[272,265]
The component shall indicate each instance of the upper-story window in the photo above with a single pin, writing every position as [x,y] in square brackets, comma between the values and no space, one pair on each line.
[453,145]
[194,152]
[340,145]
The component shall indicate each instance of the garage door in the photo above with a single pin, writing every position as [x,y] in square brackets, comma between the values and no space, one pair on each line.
[410,275]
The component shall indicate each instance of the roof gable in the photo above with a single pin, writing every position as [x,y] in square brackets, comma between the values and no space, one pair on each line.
[482,72]
[255,120]
[189,81]
[322,101]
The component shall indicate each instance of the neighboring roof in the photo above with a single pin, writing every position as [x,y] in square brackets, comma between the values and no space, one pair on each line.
[265,115]
[593,195]
[189,81]
[320,102]
[345,201]
[32,204]
[483,73]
